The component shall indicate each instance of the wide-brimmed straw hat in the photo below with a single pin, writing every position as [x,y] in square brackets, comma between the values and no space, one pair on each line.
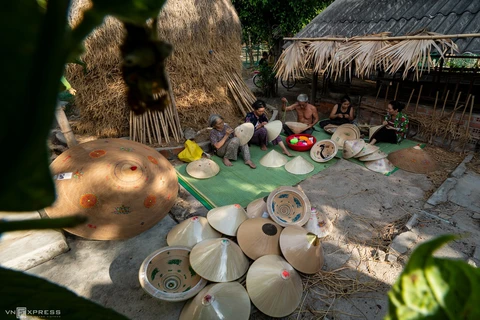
[273,129]
[368,149]
[158,278]
[319,224]
[190,232]
[373,130]
[244,132]
[257,208]
[218,301]
[299,165]
[259,237]
[124,187]
[323,150]
[296,127]
[227,219]
[274,286]
[218,260]
[288,206]
[273,159]
[415,160]
[381,165]
[343,133]
[352,147]
[302,249]
[374,156]
[202,168]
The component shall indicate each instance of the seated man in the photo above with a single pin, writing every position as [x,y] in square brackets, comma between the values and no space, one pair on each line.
[306,113]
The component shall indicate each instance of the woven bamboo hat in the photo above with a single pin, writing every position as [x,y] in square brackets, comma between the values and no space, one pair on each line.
[319,224]
[218,301]
[299,165]
[381,165]
[368,149]
[323,150]
[414,160]
[374,156]
[160,280]
[352,147]
[244,132]
[354,127]
[296,127]
[258,208]
[273,159]
[302,249]
[343,133]
[122,186]
[259,237]
[288,206]
[273,129]
[330,128]
[202,168]
[227,219]
[218,260]
[373,130]
[274,286]
[190,232]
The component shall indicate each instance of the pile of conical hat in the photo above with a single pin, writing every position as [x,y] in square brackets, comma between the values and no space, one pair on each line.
[415,160]
[373,158]
[345,132]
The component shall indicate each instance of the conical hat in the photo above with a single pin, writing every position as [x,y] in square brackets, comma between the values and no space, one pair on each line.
[258,237]
[202,168]
[258,208]
[381,165]
[273,159]
[353,126]
[191,231]
[299,165]
[323,150]
[368,149]
[374,156]
[124,187]
[296,127]
[302,249]
[158,278]
[274,287]
[273,129]
[373,130]
[218,260]
[344,132]
[288,206]
[218,301]
[330,128]
[227,219]
[352,147]
[414,160]
[244,132]
[319,224]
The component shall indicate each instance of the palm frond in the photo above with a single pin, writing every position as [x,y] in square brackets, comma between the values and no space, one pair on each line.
[320,53]
[292,61]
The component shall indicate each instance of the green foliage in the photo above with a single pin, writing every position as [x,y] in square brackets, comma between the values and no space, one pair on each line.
[435,288]
[267,79]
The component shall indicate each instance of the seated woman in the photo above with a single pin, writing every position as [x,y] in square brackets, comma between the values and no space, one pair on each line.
[259,120]
[341,113]
[395,125]
[225,144]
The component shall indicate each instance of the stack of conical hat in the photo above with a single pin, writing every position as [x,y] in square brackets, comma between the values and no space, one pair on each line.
[319,224]
[274,286]
[345,132]
[190,232]
[244,132]
[218,301]
[352,147]
[296,127]
[299,165]
[218,260]
[382,165]
[273,129]
[374,156]
[414,160]
[273,159]
[302,249]
[259,237]
[202,168]
[227,219]
[367,149]
[257,208]
[374,159]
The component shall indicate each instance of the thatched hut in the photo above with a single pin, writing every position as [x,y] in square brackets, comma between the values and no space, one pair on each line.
[206,36]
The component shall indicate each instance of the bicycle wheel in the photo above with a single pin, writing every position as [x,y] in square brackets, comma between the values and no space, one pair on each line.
[257,81]
[289,83]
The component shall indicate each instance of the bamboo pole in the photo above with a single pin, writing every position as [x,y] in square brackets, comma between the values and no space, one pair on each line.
[386,96]
[152,126]
[134,129]
[378,93]
[147,125]
[130,133]
[444,103]
[157,126]
[65,126]
[396,91]
[164,127]
[410,98]
[461,118]
[174,106]
[430,129]
[434,37]
[418,99]
[467,134]
[239,104]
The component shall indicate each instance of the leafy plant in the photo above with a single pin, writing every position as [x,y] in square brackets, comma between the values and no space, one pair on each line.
[267,79]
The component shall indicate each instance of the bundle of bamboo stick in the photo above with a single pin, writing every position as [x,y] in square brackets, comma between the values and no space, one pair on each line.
[242,95]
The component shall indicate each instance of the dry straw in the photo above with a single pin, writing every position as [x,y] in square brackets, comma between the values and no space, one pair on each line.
[292,61]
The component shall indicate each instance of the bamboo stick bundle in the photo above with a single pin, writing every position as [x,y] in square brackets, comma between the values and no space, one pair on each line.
[164,126]
[157,127]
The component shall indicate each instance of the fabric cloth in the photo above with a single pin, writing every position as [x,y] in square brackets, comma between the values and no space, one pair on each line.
[260,136]
[337,121]
[231,147]
[400,123]
[289,132]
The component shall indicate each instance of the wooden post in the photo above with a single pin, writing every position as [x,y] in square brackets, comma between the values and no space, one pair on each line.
[386,96]
[314,87]
[468,124]
[65,126]
[444,103]
[408,103]
[418,99]
[396,91]
[378,93]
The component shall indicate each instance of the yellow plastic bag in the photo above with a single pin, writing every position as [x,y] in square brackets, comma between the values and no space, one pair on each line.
[191,152]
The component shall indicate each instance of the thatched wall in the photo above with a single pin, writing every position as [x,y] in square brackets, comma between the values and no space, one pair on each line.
[206,36]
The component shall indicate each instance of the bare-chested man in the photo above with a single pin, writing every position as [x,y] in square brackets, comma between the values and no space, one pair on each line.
[306,113]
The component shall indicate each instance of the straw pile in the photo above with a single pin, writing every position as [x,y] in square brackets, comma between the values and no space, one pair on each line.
[206,36]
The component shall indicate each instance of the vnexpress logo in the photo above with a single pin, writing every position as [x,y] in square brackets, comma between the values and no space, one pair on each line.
[24,313]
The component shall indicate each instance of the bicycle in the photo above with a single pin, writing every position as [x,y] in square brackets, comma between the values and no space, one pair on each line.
[287,84]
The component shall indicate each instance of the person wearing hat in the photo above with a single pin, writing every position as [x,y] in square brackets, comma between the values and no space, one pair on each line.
[341,113]
[395,125]
[306,113]
[225,144]
[260,135]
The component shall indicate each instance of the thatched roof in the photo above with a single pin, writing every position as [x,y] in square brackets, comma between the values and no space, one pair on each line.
[206,36]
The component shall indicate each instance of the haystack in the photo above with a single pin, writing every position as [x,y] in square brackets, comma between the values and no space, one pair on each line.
[206,36]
